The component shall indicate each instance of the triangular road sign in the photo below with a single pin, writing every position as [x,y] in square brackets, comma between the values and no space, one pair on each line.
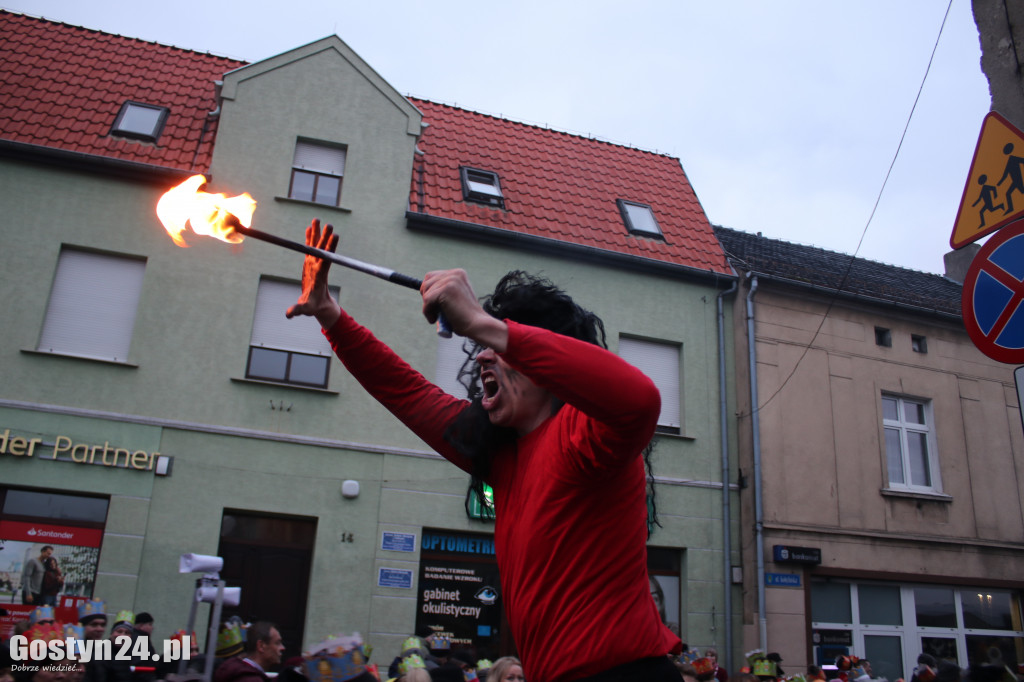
[994,192]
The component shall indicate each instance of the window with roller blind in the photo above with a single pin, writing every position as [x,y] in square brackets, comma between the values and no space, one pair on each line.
[660,361]
[92,307]
[317,170]
[286,351]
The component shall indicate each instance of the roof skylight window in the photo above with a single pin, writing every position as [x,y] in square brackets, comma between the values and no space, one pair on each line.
[482,186]
[639,218]
[140,121]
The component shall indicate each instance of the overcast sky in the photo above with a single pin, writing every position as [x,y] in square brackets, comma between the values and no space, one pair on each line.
[785,115]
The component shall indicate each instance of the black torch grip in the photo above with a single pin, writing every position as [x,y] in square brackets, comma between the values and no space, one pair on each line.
[444,330]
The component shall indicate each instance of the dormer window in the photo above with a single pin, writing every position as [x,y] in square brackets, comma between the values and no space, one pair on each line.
[639,218]
[140,121]
[482,187]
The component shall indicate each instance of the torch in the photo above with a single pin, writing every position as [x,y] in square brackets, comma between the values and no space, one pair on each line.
[230,218]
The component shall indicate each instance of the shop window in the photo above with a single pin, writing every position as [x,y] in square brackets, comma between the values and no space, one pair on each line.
[664,565]
[990,610]
[282,350]
[61,531]
[660,362]
[830,602]
[934,607]
[92,306]
[880,604]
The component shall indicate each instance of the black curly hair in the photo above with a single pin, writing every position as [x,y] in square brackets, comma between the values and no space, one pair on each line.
[535,301]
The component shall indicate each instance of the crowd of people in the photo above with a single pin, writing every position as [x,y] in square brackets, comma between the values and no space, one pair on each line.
[253,652]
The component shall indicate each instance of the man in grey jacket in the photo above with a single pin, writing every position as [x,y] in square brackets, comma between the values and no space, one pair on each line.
[32,578]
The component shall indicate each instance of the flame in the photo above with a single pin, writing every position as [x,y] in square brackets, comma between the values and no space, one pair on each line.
[208,214]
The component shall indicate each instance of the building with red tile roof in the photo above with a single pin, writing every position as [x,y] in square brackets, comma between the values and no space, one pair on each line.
[559,187]
[164,389]
[64,86]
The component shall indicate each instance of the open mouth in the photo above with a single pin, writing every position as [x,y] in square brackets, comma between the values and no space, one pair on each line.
[490,386]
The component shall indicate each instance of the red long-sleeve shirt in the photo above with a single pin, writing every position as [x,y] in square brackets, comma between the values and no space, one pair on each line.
[570,496]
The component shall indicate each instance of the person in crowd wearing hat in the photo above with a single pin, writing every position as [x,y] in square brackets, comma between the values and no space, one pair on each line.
[32,577]
[144,628]
[459,666]
[92,616]
[558,427]
[506,669]
[413,668]
[414,645]
[263,649]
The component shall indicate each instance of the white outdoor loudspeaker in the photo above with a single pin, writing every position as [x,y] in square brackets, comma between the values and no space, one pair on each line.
[350,489]
[208,595]
[200,563]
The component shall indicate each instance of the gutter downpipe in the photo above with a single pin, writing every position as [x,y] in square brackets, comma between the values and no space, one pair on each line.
[723,410]
[755,427]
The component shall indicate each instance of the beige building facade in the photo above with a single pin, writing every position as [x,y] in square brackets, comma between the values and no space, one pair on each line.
[880,456]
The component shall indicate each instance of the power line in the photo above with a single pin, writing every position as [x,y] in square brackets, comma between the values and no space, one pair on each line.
[874,209]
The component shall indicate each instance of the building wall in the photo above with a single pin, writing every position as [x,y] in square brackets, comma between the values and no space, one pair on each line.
[824,468]
[279,450]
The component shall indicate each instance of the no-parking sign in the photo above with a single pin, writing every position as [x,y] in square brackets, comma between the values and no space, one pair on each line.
[992,295]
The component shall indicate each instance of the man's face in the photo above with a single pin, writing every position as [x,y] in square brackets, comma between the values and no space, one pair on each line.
[95,628]
[269,653]
[511,399]
[45,554]
[146,628]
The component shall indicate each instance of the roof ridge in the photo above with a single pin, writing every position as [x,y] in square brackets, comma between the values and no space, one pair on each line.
[862,259]
[546,127]
[118,35]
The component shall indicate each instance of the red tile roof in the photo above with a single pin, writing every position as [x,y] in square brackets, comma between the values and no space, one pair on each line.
[63,86]
[560,186]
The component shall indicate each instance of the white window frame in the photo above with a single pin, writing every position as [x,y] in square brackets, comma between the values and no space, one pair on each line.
[93,304]
[662,362]
[905,429]
[272,331]
[320,160]
[909,631]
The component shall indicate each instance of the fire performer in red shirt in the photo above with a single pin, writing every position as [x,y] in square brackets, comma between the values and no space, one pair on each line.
[557,429]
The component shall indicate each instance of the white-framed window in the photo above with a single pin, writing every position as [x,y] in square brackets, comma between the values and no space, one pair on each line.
[659,361]
[482,187]
[892,623]
[910,449]
[286,351]
[140,121]
[317,170]
[93,304]
[639,218]
[451,356]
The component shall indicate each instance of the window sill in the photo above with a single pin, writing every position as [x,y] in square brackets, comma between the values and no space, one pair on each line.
[674,436]
[102,361]
[922,496]
[281,384]
[301,202]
